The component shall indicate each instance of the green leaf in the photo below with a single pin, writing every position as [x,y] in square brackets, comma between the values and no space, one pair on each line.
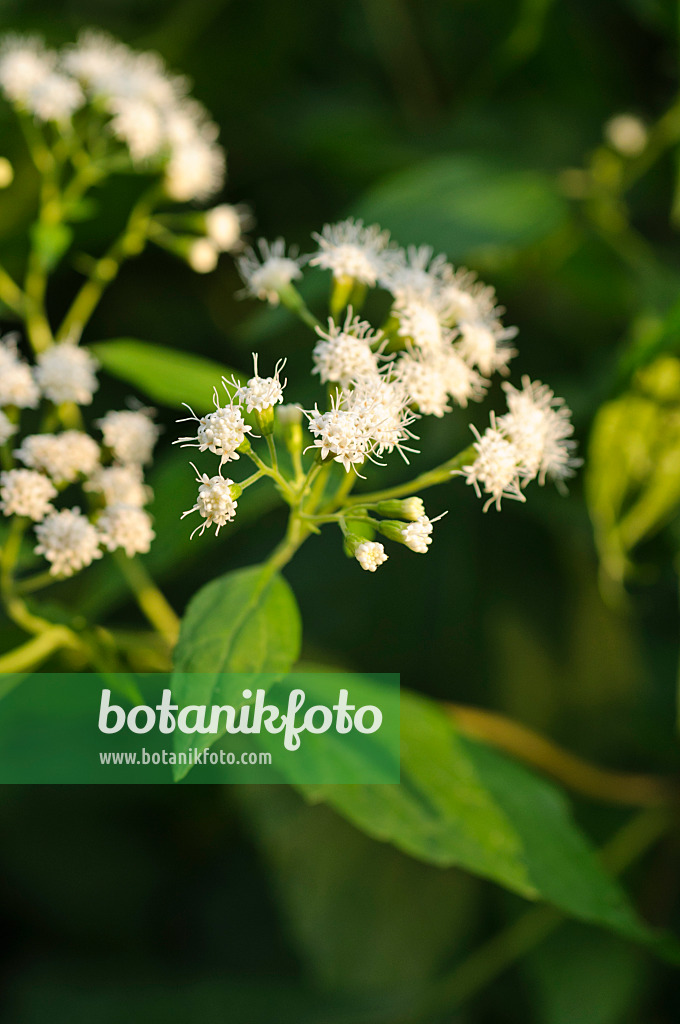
[166,375]
[461,803]
[465,202]
[244,621]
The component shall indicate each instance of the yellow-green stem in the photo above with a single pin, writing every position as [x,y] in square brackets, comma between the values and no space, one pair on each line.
[151,601]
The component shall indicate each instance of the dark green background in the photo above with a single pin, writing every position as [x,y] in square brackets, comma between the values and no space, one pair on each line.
[175,906]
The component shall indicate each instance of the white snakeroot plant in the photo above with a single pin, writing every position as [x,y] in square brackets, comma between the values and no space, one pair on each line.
[437,351]
[71,489]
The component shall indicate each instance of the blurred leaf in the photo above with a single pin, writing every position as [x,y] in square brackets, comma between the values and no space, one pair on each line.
[465,202]
[244,621]
[461,803]
[633,474]
[587,976]
[395,920]
[165,375]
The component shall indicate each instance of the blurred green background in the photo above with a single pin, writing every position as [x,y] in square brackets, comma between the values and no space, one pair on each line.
[458,123]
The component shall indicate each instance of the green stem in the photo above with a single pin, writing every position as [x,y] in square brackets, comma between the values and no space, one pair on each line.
[292,300]
[272,453]
[37,582]
[439,475]
[149,598]
[36,650]
[130,243]
[11,294]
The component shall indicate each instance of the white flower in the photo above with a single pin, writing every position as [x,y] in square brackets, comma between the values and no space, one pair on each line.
[418,535]
[268,274]
[416,273]
[421,321]
[139,124]
[497,468]
[468,300]
[100,62]
[381,408]
[344,353]
[54,98]
[66,373]
[63,456]
[17,385]
[224,225]
[462,382]
[120,485]
[540,427]
[195,170]
[262,393]
[216,502]
[7,428]
[127,527]
[130,434]
[24,65]
[370,554]
[23,492]
[353,251]
[221,431]
[68,541]
[203,256]
[289,415]
[339,433]
[627,134]
[424,381]
[485,347]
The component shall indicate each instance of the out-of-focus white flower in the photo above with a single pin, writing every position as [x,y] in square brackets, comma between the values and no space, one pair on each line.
[224,225]
[23,492]
[55,97]
[63,456]
[486,348]
[216,501]
[344,352]
[498,466]
[68,540]
[203,256]
[120,485]
[139,124]
[130,434]
[261,393]
[17,384]
[195,170]
[66,373]
[268,273]
[24,65]
[416,273]
[352,250]
[370,554]
[127,527]
[7,428]
[540,427]
[627,134]
[221,431]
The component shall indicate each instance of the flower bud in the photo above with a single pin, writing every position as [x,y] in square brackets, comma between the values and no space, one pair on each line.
[6,172]
[409,509]
[202,256]
[265,420]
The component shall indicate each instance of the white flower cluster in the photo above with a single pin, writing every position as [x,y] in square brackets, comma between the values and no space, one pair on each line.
[532,440]
[134,98]
[440,344]
[51,463]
